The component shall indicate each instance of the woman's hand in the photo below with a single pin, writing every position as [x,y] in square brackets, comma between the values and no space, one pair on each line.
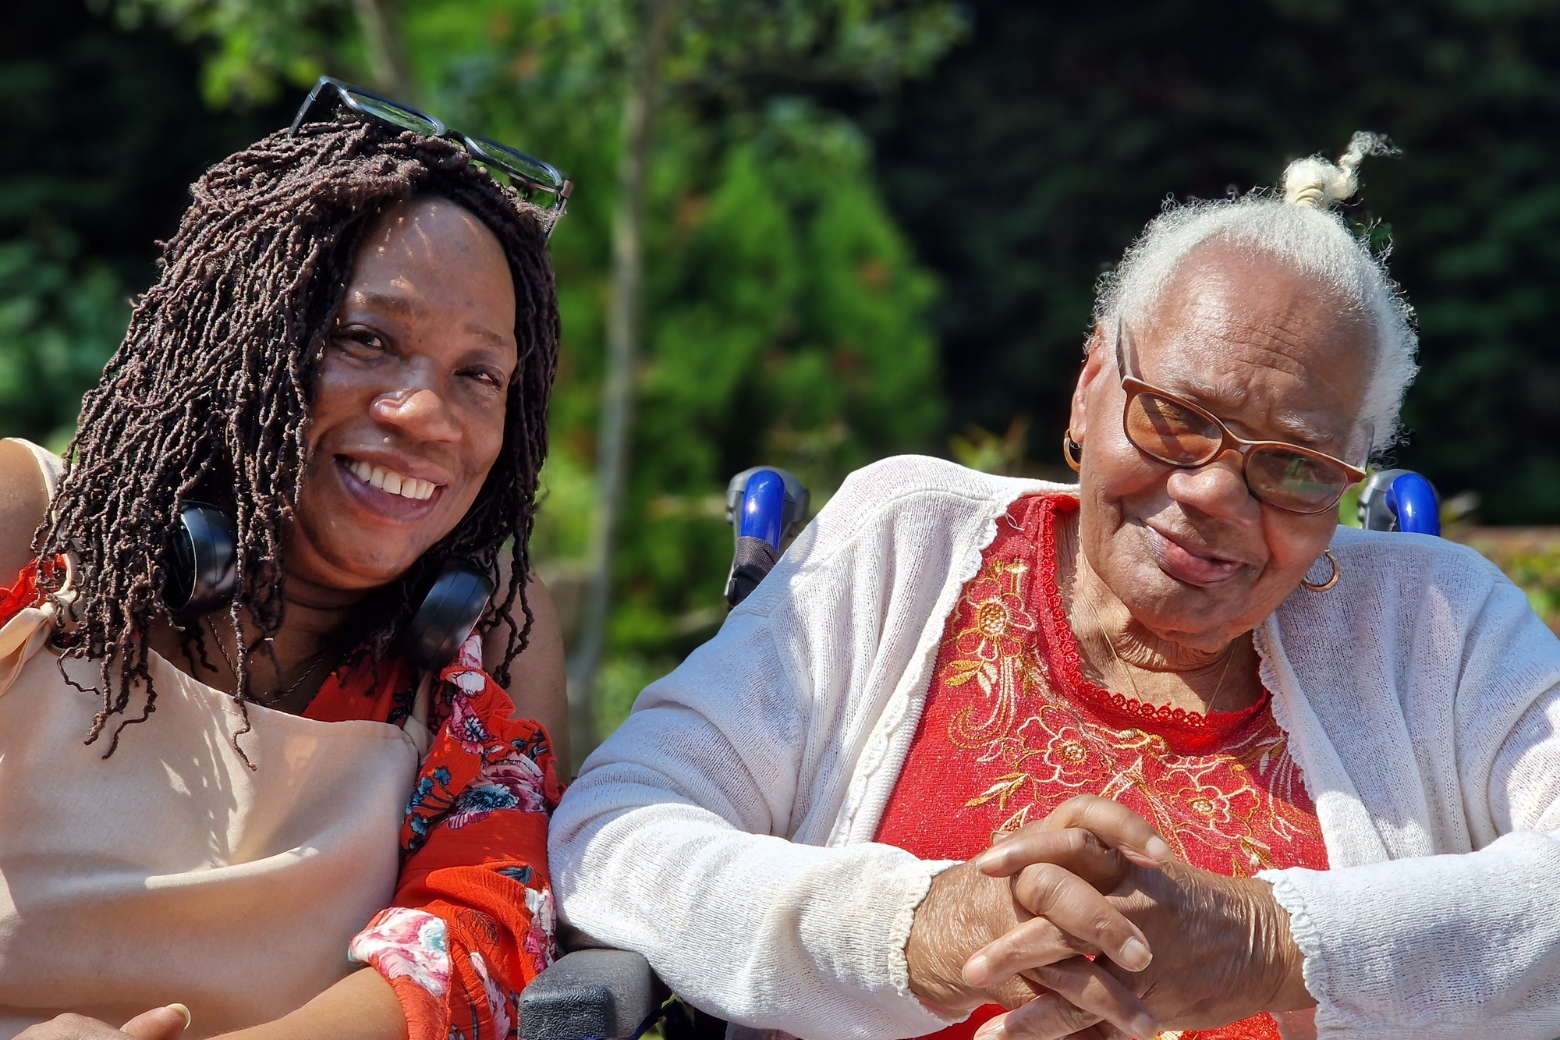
[1058,912]
[1224,943]
[164,1023]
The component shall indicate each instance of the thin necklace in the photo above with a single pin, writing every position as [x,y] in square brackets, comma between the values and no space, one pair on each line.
[1229,655]
[1113,651]
[273,696]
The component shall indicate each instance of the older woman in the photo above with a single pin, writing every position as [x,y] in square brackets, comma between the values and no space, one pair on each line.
[256,803]
[1266,768]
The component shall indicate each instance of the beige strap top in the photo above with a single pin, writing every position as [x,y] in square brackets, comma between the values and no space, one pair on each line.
[172,871]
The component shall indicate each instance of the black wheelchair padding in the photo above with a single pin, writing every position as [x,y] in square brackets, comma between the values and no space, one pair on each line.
[753,559]
[591,993]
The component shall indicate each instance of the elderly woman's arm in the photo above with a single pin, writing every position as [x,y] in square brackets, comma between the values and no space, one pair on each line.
[669,843]
[1436,946]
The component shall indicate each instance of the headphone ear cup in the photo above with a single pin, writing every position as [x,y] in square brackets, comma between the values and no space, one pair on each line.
[201,560]
[448,614]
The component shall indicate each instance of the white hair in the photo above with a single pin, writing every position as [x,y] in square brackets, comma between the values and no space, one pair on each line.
[1299,230]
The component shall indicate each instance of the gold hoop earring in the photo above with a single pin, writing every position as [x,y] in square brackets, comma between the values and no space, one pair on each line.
[1072,451]
[1330,582]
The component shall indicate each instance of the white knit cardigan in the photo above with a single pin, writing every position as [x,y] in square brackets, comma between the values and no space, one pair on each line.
[725,830]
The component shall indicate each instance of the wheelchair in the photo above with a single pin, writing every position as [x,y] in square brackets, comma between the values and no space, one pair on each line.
[604,994]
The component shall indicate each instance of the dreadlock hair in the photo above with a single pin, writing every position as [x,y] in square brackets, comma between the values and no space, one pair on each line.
[210,391]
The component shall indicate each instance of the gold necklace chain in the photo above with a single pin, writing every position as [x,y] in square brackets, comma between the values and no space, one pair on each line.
[1111,643]
[273,697]
[1229,656]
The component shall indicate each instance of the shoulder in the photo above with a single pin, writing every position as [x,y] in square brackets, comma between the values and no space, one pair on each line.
[893,536]
[1415,562]
[24,501]
[922,477]
[1403,597]
[906,494]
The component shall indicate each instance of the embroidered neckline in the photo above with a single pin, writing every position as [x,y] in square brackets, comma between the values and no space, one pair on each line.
[1189,729]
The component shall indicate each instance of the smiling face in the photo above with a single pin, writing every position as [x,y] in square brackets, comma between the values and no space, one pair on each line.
[1194,557]
[409,399]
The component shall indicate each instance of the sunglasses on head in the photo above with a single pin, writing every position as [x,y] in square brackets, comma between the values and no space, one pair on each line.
[1177,432]
[537,182]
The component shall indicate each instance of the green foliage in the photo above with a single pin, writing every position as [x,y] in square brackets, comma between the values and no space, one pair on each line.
[621,679]
[260,47]
[104,131]
[1538,574]
[787,326]
[60,319]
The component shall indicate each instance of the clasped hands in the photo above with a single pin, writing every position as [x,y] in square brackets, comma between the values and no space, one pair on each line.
[1084,926]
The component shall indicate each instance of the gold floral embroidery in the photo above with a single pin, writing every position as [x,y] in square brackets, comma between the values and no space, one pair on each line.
[1225,810]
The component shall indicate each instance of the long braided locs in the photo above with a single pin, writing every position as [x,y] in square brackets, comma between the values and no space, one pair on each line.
[208,397]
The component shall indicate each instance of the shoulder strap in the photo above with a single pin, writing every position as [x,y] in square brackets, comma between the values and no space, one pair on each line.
[49,463]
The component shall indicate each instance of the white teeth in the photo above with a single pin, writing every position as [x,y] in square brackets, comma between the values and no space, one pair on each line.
[391,481]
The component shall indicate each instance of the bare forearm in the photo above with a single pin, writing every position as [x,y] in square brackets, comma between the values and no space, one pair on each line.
[361,1006]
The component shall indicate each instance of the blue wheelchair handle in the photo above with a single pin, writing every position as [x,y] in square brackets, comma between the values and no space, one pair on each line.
[1412,500]
[763,508]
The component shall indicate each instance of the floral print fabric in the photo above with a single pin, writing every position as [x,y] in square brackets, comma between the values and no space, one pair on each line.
[1011,729]
[472,921]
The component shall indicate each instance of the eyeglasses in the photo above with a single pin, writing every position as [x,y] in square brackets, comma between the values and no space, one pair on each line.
[1175,431]
[537,182]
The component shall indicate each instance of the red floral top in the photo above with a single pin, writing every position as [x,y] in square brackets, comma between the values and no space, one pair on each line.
[471,922]
[1011,729]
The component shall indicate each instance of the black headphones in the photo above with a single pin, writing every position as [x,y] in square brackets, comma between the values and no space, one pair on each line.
[202,564]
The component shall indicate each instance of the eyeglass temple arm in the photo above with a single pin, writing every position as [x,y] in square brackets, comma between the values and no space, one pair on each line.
[1124,368]
[307,107]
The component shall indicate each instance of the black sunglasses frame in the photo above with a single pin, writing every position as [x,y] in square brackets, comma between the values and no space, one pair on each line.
[339,94]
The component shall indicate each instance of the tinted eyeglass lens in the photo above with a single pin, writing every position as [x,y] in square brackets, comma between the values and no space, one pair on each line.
[1170,431]
[395,115]
[533,178]
[1293,480]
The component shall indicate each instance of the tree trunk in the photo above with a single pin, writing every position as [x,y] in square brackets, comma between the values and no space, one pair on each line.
[624,333]
[380,21]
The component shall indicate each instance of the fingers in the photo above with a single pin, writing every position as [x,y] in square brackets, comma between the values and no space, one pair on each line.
[1070,904]
[70,1027]
[1084,998]
[1116,825]
[1080,851]
[1035,943]
[164,1023]
[1047,1017]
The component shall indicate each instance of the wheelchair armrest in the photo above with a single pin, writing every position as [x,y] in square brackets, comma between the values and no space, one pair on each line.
[591,993]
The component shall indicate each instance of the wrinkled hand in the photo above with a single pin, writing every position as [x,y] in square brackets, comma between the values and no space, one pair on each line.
[1057,910]
[164,1023]
[1224,948]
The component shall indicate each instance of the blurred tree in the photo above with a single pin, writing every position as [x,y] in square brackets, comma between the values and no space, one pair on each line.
[1028,160]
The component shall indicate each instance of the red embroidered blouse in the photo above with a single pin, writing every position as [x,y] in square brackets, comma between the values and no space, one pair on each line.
[1011,729]
[472,919]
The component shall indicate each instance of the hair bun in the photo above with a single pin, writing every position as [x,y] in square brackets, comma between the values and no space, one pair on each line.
[1316,183]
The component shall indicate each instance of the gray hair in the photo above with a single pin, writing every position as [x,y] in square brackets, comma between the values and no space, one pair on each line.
[1300,230]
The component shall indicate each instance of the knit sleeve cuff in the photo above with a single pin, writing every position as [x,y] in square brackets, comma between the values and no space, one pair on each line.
[898,968]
